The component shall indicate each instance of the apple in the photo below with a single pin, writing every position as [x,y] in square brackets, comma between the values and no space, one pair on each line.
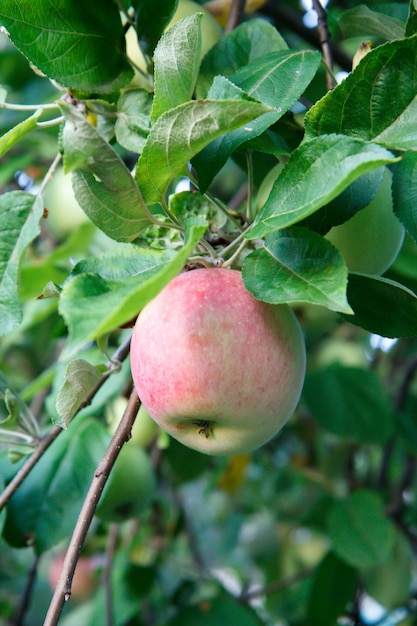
[144,429]
[371,239]
[217,369]
[85,579]
[64,213]
[130,487]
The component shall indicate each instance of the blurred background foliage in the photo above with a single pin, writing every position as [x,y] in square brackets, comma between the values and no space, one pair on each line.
[317,528]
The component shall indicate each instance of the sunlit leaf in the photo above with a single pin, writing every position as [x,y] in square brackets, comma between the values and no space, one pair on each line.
[316,172]
[73,43]
[20,215]
[182,132]
[366,105]
[176,60]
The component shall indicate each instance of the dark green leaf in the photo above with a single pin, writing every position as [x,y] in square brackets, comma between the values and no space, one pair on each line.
[333,587]
[110,290]
[177,60]
[182,132]
[316,173]
[363,21]
[389,583]
[45,508]
[382,306]
[151,20]
[297,265]
[74,43]
[20,214]
[247,42]
[360,532]
[216,611]
[277,79]
[365,104]
[349,402]
[404,192]
[103,185]
[354,198]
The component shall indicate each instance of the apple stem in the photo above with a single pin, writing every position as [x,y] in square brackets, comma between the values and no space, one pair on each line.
[204,428]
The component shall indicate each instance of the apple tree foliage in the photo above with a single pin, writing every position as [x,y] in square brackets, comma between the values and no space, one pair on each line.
[166,156]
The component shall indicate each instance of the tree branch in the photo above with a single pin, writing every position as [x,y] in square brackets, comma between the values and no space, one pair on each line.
[119,356]
[63,589]
[236,14]
[323,32]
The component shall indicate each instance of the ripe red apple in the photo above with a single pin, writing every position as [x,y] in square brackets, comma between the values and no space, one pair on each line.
[217,369]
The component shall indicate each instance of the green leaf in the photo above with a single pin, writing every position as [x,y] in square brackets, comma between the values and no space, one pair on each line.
[219,610]
[109,291]
[277,79]
[45,508]
[250,40]
[180,133]
[361,534]
[355,197]
[389,583]
[316,173]
[133,124]
[176,61]
[297,265]
[74,43]
[151,22]
[333,587]
[363,21]
[103,185]
[404,192]
[13,135]
[382,306]
[349,402]
[20,215]
[365,104]
[80,379]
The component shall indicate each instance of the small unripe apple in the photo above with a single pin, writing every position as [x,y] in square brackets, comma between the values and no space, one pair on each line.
[371,239]
[64,213]
[130,487]
[217,369]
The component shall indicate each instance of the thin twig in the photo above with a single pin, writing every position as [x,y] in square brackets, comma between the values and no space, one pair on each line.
[63,589]
[236,13]
[276,586]
[324,41]
[19,618]
[119,356]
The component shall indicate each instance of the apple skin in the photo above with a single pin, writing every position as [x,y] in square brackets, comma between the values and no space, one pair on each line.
[218,370]
[371,239]
[85,580]
[64,213]
[130,487]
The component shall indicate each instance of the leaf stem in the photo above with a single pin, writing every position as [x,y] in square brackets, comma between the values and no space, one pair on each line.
[28,107]
[50,123]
